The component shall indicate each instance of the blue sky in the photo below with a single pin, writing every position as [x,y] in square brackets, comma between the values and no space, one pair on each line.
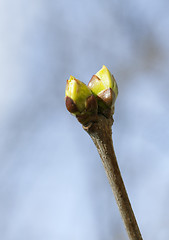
[52,182]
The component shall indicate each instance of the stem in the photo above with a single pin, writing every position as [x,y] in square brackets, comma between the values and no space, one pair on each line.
[101,134]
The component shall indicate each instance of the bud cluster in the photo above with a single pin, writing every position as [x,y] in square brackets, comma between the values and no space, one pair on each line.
[86,102]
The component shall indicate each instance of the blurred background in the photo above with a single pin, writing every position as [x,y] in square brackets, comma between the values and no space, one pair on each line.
[52,182]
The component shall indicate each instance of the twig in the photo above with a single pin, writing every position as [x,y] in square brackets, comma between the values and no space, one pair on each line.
[101,134]
[93,106]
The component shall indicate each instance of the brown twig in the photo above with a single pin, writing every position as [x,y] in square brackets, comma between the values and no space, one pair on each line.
[101,134]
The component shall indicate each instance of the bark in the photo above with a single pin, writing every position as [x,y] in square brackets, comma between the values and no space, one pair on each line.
[101,134]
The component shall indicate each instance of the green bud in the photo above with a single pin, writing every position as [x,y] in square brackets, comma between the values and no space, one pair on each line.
[80,101]
[104,87]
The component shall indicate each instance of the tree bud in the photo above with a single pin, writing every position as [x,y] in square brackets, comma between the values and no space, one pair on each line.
[80,101]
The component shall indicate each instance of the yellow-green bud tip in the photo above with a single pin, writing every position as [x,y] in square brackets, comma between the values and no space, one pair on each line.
[104,86]
[76,94]
[105,76]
